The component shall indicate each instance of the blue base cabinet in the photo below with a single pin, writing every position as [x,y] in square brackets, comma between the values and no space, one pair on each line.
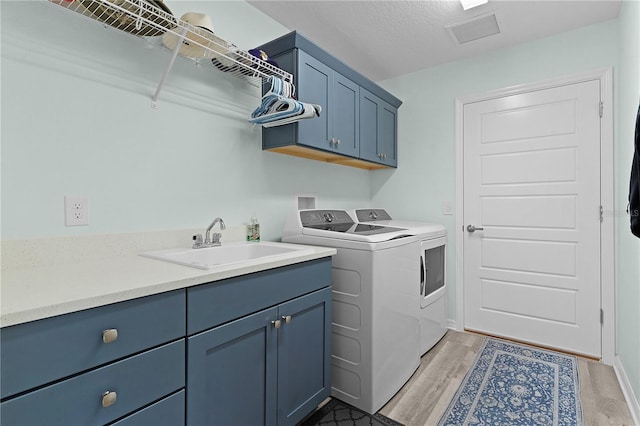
[343,134]
[97,366]
[250,350]
[271,367]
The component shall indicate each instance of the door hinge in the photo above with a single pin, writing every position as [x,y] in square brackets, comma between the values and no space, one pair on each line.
[601,317]
[601,214]
[601,109]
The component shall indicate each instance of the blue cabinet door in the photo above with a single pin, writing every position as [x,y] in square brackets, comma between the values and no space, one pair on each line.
[387,133]
[345,107]
[315,80]
[369,126]
[378,130]
[231,373]
[304,355]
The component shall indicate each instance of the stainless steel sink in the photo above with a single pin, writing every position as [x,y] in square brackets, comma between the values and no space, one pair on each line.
[228,254]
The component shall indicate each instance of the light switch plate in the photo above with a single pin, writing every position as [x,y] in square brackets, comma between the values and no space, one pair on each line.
[446,208]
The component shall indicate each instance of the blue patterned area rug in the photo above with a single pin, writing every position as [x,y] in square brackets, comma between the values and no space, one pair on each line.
[338,413]
[512,384]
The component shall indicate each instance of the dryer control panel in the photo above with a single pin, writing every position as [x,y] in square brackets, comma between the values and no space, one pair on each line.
[311,218]
[370,215]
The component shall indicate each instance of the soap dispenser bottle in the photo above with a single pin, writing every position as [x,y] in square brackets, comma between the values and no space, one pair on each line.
[253,230]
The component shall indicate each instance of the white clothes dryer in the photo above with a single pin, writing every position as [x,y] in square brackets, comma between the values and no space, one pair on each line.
[376,328]
[433,268]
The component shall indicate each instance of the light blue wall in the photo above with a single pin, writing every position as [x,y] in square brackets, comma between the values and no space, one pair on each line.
[628,247]
[76,119]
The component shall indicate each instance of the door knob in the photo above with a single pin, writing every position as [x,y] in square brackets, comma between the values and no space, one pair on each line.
[472,229]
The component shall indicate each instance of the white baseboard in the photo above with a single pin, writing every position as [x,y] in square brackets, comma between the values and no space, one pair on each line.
[627,390]
[451,324]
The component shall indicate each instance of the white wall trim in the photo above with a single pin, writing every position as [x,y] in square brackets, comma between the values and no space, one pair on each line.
[627,390]
[451,324]
[459,117]
[605,76]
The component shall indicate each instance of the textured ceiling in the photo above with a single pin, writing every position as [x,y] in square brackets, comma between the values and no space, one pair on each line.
[384,39]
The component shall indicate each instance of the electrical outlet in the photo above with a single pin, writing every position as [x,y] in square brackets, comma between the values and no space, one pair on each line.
[76,210]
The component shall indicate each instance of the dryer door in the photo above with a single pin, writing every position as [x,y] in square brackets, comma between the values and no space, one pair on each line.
[432,276]
[433,287]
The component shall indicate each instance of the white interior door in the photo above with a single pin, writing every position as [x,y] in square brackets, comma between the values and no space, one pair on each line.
[532,186]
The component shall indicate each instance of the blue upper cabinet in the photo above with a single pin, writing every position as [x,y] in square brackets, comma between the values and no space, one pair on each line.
[336,129]
[344,133]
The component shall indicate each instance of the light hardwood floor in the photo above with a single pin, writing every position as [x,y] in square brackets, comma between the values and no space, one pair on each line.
[425,397]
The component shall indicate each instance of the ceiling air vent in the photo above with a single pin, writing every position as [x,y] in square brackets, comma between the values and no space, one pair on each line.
[475,29]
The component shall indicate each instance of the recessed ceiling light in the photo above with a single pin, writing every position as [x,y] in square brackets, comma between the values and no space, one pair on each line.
[468,4]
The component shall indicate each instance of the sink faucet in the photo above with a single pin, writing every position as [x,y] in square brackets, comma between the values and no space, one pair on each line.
[209,240]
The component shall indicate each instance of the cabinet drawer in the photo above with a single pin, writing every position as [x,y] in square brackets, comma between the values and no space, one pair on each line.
[169,411]
[40,352]
[216,303]
[137,381]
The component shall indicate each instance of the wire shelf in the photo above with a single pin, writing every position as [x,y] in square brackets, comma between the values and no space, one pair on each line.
[151,20]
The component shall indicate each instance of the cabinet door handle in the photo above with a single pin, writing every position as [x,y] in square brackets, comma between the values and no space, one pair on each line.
[332,142]
[109,398]
[286,319]
[337,141]
[110,335]
[276,323]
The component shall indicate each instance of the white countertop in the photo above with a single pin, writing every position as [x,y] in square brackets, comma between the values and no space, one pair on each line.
[40,291]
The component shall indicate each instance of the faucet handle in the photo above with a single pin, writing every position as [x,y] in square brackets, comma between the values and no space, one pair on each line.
[215,238]
[197,241]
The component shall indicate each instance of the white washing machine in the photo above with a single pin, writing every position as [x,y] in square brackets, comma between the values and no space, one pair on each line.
[433,266]
[376,325]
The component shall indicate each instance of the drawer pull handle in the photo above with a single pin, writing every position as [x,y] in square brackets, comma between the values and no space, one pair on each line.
[286,319]
[110,335]
[109,398]
[276,323]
